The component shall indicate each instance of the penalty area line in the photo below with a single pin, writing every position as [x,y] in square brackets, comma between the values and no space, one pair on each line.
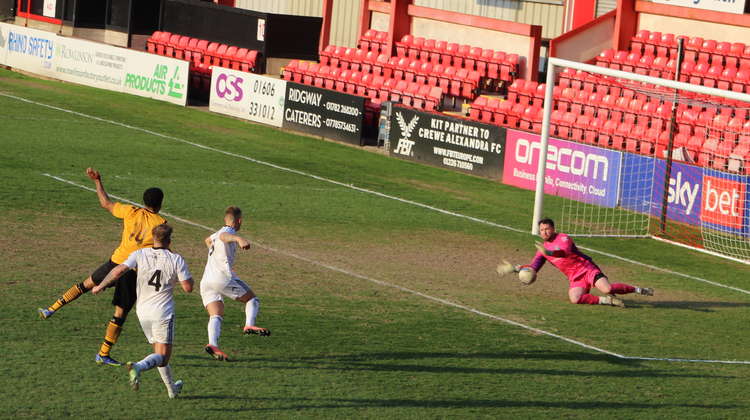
[363,190]
[417,293]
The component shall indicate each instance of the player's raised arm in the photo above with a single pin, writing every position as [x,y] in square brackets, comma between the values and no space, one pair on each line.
[227,237]
[104,200]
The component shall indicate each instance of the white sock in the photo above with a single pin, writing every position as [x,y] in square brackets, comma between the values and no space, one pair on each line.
[252,307]
[214,329]
[166,376]
[149,362]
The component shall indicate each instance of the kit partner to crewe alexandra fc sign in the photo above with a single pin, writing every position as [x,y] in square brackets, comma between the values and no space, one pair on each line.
[447,142]
[324,112]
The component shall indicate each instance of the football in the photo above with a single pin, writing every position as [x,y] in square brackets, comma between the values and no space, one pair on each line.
[527,275]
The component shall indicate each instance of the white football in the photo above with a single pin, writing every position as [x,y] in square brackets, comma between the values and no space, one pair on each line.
[527,275]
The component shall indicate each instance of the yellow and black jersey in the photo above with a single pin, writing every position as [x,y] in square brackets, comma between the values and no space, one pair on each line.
[137,225]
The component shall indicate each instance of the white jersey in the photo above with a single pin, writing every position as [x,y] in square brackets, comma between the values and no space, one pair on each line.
[158,272]
[220,258]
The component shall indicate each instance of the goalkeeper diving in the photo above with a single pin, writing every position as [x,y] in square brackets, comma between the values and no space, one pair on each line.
[581,271]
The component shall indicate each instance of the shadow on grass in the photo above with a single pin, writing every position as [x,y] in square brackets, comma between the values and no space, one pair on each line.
[348,403]
[699,306]
[371,362]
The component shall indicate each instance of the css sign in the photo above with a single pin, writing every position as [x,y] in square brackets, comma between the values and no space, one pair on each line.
[229,87]
[723,202]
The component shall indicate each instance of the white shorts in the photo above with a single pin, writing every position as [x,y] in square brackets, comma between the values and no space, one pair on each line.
[158,330]
[212,291]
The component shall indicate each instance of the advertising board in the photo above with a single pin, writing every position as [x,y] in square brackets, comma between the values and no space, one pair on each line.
[94,64]
[574,170]
[324,112]
[249,96]
[447,142]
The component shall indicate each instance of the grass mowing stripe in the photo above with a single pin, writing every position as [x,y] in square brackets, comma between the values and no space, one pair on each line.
[420,294]
[364,190]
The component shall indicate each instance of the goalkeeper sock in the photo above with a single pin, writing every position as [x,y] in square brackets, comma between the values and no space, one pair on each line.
[110,337]
[622,289]
[588,299]
[72,294]
[214,330]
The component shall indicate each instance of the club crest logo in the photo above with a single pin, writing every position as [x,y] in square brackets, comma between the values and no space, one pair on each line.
[405,145]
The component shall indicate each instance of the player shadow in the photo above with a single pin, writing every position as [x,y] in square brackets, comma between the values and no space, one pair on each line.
[368,362]
[698,306]
[523,355]
[349,403]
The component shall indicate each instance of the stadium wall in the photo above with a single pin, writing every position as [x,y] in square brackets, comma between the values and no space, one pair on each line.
[345,16]
[707,30]
[585,42]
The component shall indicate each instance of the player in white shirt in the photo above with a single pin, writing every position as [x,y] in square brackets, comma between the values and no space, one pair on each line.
[159,269]
[219,279]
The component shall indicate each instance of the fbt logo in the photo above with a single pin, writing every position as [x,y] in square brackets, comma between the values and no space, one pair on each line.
[403,147]
[229,87]
[404,144]
[723,202]
[563,159]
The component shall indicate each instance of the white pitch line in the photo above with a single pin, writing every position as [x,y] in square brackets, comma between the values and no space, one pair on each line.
[364,190]
[420,294]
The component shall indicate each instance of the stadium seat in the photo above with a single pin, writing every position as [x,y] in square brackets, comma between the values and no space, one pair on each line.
[637,42]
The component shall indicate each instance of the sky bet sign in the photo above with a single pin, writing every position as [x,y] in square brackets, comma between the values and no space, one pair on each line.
[576,171]
[713,198]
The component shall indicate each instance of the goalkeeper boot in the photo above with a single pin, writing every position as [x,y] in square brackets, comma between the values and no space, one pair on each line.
[135,375]
[106,360]
[645,291]
[45,313]
[612,301]
[252,329]
[175,390]
[216,353]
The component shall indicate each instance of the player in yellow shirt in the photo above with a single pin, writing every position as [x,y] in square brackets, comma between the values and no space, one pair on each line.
[137,226]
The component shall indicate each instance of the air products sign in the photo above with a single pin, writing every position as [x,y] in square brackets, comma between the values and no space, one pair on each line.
[576,171]
[94,64]
[248,96]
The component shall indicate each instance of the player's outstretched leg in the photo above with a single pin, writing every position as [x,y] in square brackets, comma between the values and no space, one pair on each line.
[70,295]
[623,289]
[252,307]
[214,352]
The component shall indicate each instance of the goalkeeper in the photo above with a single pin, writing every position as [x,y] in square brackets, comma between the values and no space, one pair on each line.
[582,272]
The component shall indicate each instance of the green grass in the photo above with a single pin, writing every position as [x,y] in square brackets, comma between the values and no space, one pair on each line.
[342,346]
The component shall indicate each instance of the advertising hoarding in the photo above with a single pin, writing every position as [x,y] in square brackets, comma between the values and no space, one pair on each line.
[324,112]
[249,96]
[574,170]
[444,141]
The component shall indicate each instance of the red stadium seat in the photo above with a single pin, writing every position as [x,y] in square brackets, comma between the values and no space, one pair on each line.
[637,42]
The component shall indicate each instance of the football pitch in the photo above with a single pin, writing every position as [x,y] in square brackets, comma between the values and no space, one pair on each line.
[376,276]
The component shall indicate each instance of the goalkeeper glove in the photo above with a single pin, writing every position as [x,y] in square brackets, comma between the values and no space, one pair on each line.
[505,268]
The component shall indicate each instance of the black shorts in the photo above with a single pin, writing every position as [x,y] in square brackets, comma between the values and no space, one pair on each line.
[125,294]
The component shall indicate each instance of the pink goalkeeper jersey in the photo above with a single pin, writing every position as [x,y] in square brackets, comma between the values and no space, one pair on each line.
[573,264]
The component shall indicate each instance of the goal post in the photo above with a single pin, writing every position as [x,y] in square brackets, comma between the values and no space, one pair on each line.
[723,181]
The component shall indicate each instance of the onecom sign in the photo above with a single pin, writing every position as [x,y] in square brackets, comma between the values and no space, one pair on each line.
[573,170]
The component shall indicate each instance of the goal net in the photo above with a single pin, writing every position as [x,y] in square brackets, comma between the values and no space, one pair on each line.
[607,137]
